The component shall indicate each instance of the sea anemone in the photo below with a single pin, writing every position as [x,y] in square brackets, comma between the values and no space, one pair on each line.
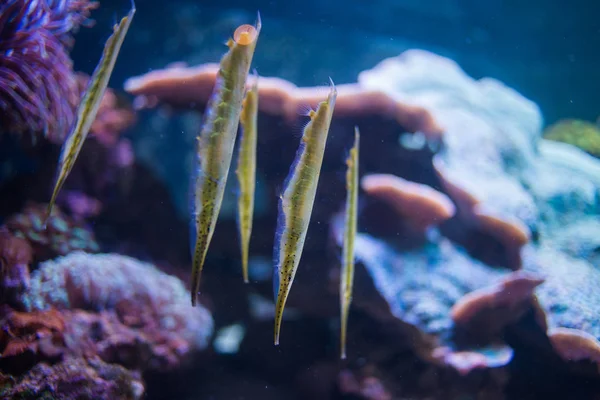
[37,87]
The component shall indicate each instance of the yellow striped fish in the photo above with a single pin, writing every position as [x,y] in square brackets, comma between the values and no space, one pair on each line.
[246,171]
[296,203]
[86,113]
[347,277]
[215,144]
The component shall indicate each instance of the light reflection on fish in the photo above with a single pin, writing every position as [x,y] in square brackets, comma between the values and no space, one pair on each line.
[296,203]
[347,277]
[215,144]
[90,103]
[246,171]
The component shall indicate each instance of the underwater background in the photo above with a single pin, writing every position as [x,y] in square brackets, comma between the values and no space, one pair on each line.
[478,247]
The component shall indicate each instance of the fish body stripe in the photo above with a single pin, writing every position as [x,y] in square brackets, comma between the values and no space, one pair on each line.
[215,144]
[296,203]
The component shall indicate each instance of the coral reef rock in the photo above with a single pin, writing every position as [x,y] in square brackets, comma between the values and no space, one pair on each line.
[510,183]
[128,292]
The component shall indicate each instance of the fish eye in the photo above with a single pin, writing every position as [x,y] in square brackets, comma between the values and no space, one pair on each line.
[244,34]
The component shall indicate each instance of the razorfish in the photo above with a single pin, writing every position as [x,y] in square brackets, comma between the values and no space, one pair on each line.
[296,203]
[246,171]
[347,277]
[215,144]
[88,108]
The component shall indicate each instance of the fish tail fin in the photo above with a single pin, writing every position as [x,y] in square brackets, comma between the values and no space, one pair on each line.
[278,318]
[197,266]
[195,286]
[343,329]
[279,307]
[245,262]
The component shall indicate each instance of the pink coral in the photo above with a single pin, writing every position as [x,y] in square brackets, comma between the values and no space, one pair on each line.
[151,306]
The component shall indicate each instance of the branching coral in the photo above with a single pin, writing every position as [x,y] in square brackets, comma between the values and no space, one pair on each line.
[37,86]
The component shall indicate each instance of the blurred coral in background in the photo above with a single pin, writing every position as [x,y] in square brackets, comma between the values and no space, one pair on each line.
[37,86]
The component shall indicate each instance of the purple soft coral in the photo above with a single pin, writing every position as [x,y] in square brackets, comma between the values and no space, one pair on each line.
[37,86]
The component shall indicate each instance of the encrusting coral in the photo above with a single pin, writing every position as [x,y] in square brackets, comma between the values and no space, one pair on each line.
[477,153]
[282,100]
[190,87]
[422,205]
[490,168]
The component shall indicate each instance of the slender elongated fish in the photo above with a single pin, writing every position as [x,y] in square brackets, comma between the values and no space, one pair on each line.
[90,103]
[347,278]
[296,203]
[215,144]
[246,171]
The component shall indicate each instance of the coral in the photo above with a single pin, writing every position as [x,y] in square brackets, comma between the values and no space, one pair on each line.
[152,306]
[582,134]
[62,235]
[421,204]
[368,388]
[93,324]
[37,86]
[29,338]
[524,211]
[425,300]
[451,272]
[513,291]
[190,87]
[509,182]
[488,129]
[76,378]
[15,256]
[81,206]
[575,345]
[569,297]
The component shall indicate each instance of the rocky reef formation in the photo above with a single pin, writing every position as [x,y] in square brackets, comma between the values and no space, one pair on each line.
[478,246]
[477,255]
[106,318]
